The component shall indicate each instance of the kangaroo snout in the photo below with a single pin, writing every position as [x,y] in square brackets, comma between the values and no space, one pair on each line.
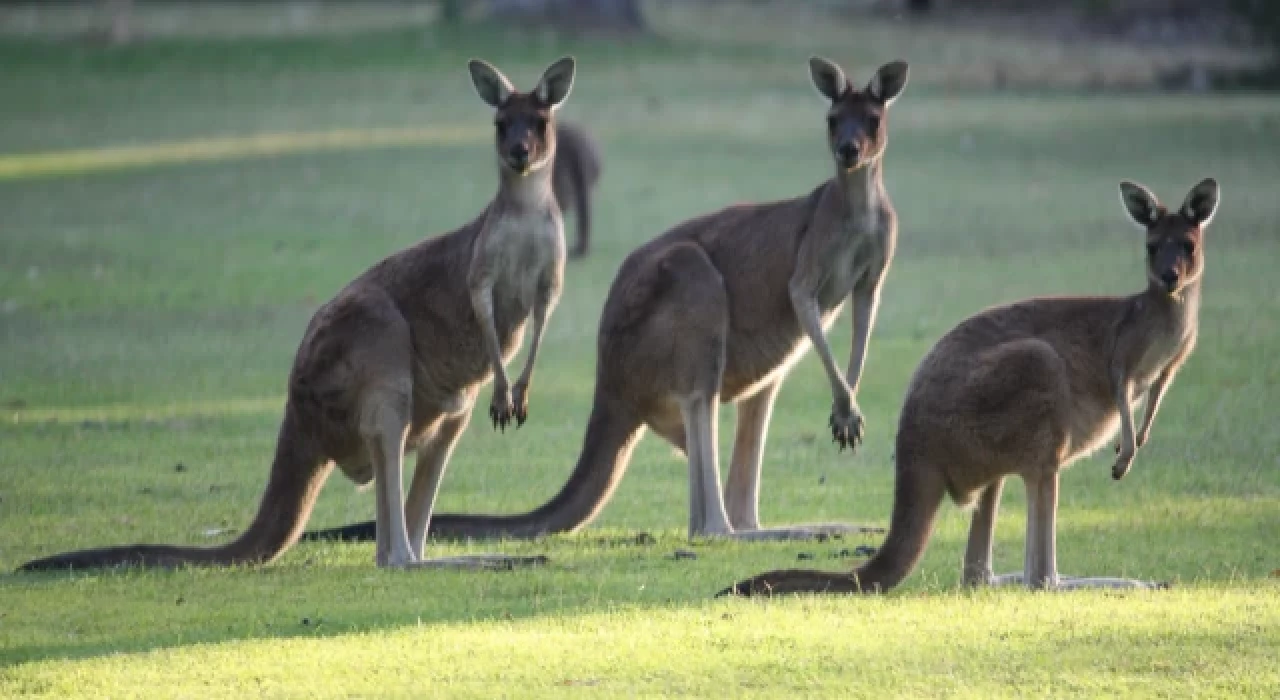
[1170,279]
[848,153]
[519,155]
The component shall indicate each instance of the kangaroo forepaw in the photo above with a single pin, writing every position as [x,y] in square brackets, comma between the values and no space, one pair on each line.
[501,410]
[520,403]
[846,428]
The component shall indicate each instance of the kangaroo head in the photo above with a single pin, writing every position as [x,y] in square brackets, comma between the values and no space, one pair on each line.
[856,130]
[524,132]
[1174,255]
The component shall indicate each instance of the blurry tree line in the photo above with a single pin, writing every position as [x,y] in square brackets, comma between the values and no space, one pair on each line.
[1261,18]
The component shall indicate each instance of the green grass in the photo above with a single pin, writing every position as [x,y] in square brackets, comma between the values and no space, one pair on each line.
[148,317]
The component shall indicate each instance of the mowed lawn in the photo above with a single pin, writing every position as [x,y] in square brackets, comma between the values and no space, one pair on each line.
[148,317]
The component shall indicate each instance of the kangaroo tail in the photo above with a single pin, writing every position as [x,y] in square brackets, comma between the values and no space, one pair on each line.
[582,202]
[297,473]
[612,432]
[918,493]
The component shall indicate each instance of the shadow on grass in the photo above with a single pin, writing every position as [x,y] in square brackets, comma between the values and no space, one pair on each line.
[325,590]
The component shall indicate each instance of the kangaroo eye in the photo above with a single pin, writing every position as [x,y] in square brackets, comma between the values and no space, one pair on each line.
[541,123]
[1188,247]
[1152,248]
[873,124]
[832,122]
[501,126]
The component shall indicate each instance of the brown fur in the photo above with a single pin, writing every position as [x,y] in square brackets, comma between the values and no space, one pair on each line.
[577,170]
[718,310]
[396,359]
[1027,389]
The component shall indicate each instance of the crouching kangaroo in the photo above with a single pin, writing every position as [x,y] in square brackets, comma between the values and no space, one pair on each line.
[1028,389]
[396,359]
[719,309]
[575,173]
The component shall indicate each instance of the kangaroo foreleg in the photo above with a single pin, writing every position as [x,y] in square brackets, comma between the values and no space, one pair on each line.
[542,306]
[501,408]
[1154,395]
[845,421]
[1123,397]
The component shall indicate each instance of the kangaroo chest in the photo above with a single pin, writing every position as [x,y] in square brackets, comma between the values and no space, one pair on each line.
[1165,342]
[848,255]
[520,252]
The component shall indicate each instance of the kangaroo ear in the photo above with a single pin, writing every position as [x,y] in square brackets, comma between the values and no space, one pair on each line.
[888,82]
[1143,207]
[1202,202]
[492,86]
[827,78]
[556,82]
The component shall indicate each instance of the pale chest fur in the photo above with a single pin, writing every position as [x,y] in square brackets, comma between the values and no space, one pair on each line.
[849,251]
[519,250]
[1165,341]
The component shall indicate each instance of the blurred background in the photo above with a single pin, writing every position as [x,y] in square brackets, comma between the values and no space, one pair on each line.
[1243,31]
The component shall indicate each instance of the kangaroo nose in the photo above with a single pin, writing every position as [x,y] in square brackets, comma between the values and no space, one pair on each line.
[520,153]
[1170,278]
[848,151]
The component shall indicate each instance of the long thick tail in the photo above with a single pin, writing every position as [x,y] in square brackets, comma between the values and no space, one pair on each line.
[917,495]
[612,432]
[297,473]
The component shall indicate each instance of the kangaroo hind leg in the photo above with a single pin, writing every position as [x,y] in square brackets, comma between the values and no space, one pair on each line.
[433,458]
[742,490]
[384,426]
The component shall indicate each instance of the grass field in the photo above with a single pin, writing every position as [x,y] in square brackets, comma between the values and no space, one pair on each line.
[149,311]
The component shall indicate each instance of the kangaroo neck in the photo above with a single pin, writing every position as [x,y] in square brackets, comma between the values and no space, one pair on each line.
[529,191]
[1179,311]
[860,190]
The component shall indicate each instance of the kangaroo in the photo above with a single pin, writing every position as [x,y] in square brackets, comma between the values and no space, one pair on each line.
[719,309]
[1028,389]
[575,173]
[396,359]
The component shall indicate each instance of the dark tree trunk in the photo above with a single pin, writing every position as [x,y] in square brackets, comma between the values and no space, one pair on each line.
[600,15]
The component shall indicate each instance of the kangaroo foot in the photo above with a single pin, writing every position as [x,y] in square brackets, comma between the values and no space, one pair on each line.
[1072,583]
[487,562]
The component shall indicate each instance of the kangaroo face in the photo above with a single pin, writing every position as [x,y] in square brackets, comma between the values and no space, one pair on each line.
[855,120]
[1173,252]
[524,133]
[855,129]
[1174,257]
